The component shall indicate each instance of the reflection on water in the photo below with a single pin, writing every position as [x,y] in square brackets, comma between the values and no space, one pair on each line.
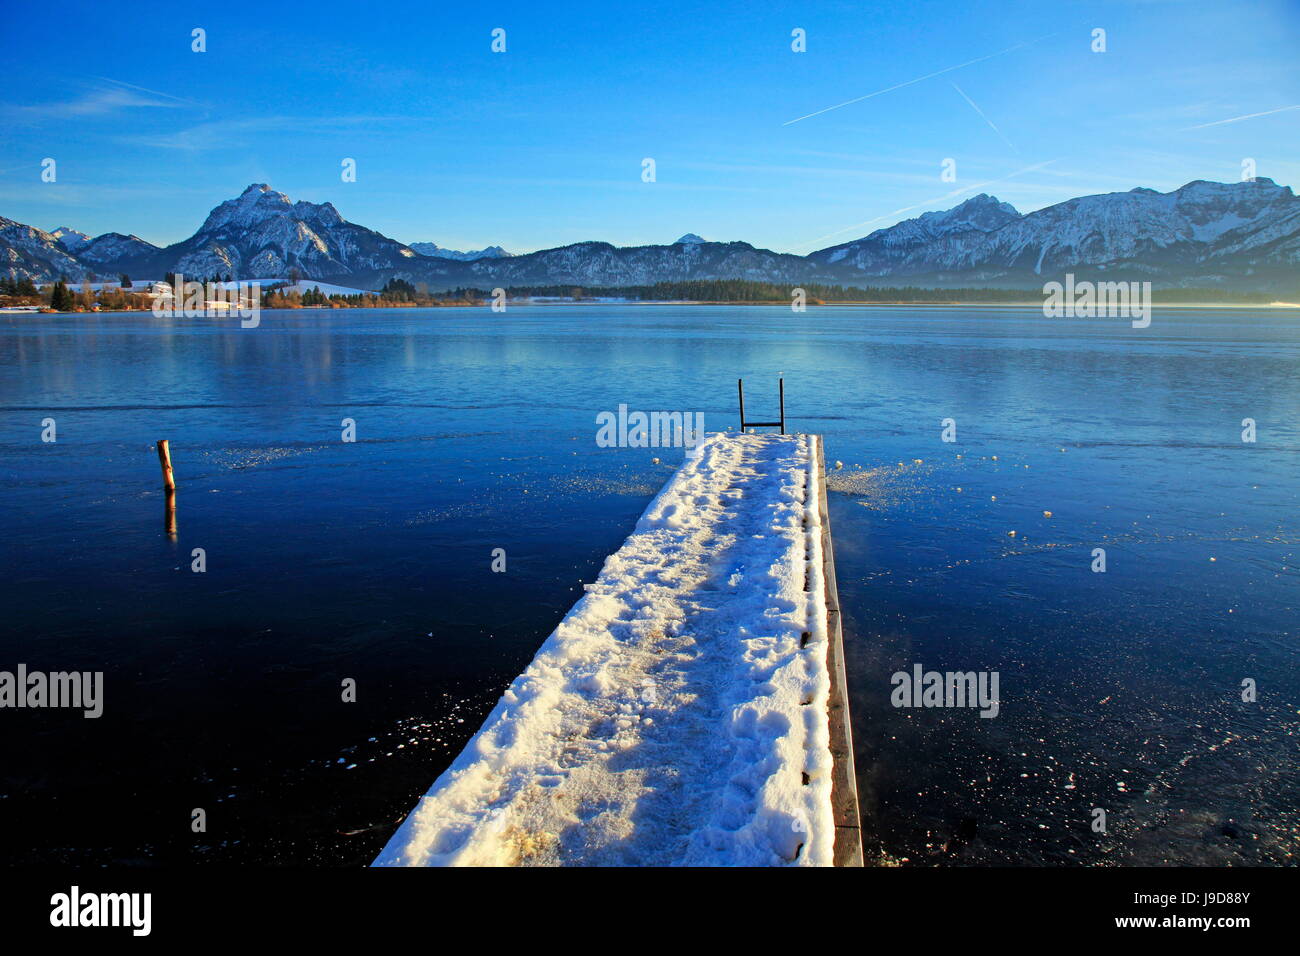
[169,512]
[370,560]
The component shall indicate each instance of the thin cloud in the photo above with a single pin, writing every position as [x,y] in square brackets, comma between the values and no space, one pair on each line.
[178,101]
[112,96]
[919,79]
[1238,119]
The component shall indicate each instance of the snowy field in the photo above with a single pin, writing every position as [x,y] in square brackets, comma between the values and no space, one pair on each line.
[678,713]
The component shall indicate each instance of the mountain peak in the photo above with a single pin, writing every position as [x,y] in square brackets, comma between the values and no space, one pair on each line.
[690,239]
[1260,186]
[69,238]
[981,213]
[255,203]
[982,201]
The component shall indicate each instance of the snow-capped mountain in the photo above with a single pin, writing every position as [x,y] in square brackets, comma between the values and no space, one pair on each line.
[70,238]
[119,251]
[1238,236]
[893,248]
[30,253]
[438,252]
[264,233]
[603,264]
[112,249]
[1211,233]
[1234,235]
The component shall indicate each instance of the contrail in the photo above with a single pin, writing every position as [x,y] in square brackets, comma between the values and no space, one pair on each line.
[143,89]
[1238,119]
[983,117]
[919,79]
[926,202]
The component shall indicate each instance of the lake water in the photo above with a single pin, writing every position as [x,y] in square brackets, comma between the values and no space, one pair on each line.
[371,561]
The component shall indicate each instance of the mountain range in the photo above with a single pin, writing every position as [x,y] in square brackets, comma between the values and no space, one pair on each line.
[438,252]
[1233,236]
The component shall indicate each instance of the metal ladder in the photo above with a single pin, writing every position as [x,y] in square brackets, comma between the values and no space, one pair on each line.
[740,387]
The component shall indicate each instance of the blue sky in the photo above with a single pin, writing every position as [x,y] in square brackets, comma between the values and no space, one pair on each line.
[543,145]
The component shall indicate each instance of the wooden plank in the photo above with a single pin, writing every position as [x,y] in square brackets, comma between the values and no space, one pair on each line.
[844,782]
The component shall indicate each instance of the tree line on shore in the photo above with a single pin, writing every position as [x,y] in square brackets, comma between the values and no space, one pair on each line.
[398,293]
[746,290]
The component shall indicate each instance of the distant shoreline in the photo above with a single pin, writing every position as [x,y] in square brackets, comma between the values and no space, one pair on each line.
[297,293]
[524,303]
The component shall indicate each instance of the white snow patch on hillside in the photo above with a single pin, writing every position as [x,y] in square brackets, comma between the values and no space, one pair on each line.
[677,715]
[1209,231]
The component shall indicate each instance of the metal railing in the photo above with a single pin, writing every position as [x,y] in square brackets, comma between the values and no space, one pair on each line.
[740,387]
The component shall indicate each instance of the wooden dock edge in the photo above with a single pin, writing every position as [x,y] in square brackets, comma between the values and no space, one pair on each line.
[844,781]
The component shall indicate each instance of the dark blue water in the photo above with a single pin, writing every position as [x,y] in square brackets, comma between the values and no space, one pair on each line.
[371,561]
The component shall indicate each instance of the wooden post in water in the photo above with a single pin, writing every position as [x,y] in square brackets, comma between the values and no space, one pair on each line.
[169,487]
[165,459]
[740,386]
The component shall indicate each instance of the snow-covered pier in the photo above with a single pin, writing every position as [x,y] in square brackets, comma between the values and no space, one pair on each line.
[690,708]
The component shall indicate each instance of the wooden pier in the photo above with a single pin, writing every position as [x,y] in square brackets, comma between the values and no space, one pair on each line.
[844,794]
[690,709]
[844,785]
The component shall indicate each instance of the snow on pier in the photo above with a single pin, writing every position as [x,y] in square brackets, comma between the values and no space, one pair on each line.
[679,712]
